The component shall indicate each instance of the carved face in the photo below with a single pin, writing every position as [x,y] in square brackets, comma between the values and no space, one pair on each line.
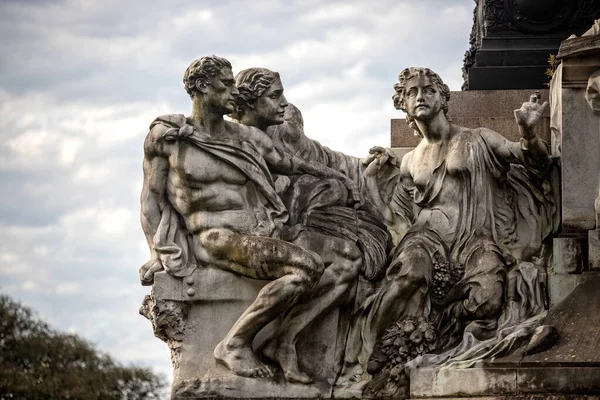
[270,107]
[220,93]
[592,92]
[422,98]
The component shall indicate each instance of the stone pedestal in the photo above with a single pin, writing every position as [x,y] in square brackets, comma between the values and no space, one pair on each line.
[594,249]
[567,267]
[570,367]
[212,300]
[579,140]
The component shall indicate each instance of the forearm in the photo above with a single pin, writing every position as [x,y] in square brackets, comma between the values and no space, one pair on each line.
[150,218]
[289,164]
[374,196]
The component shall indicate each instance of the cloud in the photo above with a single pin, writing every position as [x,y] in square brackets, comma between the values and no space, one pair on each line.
[81,81]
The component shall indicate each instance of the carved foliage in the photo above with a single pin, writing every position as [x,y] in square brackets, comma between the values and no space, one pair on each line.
[168,319]
[402,342]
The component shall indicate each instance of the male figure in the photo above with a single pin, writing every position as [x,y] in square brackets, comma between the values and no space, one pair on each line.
[454,177]
[262,104]
[208,199]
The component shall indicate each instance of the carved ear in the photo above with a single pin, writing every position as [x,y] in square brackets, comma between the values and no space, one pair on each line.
[251,104]
[201,86]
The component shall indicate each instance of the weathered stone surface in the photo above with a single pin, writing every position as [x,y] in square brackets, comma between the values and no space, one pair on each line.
[561,285]
[425,383]
[505,382]
[567,255]
[571,379]
[594,249]
[258,236]
[579,161]
[577,319]
[221,297]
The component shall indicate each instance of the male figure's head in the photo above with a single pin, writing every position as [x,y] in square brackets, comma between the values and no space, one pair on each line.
[421,94]
[209,82]
[260,102]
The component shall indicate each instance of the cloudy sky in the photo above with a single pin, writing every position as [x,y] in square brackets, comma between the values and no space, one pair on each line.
[80,81]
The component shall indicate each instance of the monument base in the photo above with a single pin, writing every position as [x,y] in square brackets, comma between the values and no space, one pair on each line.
[195,313]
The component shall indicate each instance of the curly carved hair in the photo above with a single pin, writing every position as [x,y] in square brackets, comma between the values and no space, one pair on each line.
[404,77]
[200,72]
[251,83]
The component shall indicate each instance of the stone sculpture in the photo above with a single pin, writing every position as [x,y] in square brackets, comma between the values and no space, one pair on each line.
[347,239]
[256,197]
[452,265]
[208,200]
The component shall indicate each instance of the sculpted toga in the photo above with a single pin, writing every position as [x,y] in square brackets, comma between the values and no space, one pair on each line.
[209,201]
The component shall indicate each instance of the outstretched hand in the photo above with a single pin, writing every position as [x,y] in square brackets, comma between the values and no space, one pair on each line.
[381,154]
[148,270]
[377,157]
[529,114]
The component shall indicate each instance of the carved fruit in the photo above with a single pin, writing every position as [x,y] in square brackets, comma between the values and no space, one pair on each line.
[430,335]
[408,326]
[416,337]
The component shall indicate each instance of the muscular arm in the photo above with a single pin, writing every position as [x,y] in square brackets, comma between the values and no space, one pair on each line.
[282,162]
[156,168]
[397,211]
[531,152]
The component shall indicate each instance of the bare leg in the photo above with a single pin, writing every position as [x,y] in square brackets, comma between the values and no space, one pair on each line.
[344,260]
[294,269]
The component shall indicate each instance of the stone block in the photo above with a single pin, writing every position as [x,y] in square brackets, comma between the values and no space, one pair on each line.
[448,382]
[576,319]
[567,257]
[594,250]
[579,161]
[566,380]
[216,299]
[561,285]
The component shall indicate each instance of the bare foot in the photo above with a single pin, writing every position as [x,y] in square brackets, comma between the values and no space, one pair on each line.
[241,361]
[287,358]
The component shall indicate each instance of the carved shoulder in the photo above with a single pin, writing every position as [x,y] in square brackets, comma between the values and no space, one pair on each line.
[253,135]
[163,131]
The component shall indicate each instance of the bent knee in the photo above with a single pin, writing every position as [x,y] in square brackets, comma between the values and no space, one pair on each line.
[415,269]
[312,268]
[486,302]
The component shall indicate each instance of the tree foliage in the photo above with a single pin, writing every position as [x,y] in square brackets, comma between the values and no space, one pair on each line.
[37,362]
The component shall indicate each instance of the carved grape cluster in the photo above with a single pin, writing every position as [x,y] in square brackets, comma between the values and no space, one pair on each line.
[445,276]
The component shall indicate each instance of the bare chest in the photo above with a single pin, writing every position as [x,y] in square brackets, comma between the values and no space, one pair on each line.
[197,166]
